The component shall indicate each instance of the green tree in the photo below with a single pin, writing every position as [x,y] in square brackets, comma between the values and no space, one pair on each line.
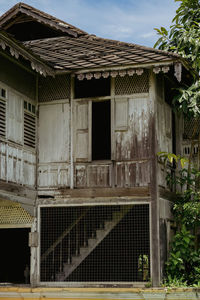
[183,38]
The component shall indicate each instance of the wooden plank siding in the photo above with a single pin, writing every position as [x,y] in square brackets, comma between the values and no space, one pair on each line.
[17,165]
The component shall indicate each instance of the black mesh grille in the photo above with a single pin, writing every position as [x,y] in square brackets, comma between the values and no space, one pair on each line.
[95,244]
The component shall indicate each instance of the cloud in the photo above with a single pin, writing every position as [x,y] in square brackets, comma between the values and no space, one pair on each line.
[148,34]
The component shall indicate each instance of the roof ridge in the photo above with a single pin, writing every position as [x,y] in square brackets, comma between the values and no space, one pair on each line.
[21,6]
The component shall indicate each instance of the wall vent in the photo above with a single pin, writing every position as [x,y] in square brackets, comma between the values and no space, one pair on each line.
[2,118]
[51,89]
[29,129]
[191,128]
[128,85]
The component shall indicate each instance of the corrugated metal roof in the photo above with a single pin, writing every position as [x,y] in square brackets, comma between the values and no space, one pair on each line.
[89,51]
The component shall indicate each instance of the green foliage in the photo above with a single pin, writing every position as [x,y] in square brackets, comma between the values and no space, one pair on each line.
[183,266]
[184,38]
[171,157]
[184,262]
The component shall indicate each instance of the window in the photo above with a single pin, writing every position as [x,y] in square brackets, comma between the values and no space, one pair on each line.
[17,118]
[29,124]
[92,130]
[101,138]
[3,95]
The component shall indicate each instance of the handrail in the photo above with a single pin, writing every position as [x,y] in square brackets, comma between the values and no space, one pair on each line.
[63,235]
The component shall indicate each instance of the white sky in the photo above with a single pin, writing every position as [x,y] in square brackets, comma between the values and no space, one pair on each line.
[125,20]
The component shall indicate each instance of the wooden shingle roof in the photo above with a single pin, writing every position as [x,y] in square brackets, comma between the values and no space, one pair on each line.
[22,11]
[89,51]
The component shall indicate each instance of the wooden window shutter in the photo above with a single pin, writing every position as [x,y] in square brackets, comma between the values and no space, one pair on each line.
[29,130]
[119,121]
[2,118]
[15,118]
[83,131]
[121,114]
[54,132]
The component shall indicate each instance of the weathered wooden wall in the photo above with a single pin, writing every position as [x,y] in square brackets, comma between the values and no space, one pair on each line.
[129,165]
[17,165]
[17,161]
[54,139]
[164,127]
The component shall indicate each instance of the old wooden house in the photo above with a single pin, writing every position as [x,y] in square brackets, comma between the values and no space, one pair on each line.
[83,198]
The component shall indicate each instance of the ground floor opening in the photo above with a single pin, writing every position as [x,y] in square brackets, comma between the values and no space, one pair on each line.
[14,255]
[109,243]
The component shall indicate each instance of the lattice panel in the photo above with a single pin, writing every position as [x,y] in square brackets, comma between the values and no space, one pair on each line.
[95,244]
[191,128]
[14,215]
[2,118]
[51,89]
[132,84]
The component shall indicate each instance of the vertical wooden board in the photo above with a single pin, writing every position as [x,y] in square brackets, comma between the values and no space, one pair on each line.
[98,176]
[15,118]
[134,142]
[3,166]
[53,133]
[143,172]
[92,176]
[18,170]
[81,127]
[121,114]
[63,178]
[81,178]
[43,176]
[131,175]
[53,176]
[103,178]
[82,146]
[82,116]
[164,127]
[120,176]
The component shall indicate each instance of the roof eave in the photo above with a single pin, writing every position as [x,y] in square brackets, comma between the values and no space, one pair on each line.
[119,67]
[17,50]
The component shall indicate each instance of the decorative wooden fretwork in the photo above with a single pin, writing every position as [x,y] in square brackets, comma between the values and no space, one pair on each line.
[12,213]
[132,84]
[51,89]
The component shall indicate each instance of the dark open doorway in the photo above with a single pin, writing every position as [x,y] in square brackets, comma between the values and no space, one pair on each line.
[101,139]
[14,255]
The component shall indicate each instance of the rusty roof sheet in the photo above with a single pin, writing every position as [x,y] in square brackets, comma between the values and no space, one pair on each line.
[89,51]
[39,16]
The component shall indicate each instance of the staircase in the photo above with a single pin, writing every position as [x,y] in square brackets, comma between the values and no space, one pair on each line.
[88,230]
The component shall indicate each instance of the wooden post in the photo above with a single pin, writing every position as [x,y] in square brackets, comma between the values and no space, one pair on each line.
[154,215]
